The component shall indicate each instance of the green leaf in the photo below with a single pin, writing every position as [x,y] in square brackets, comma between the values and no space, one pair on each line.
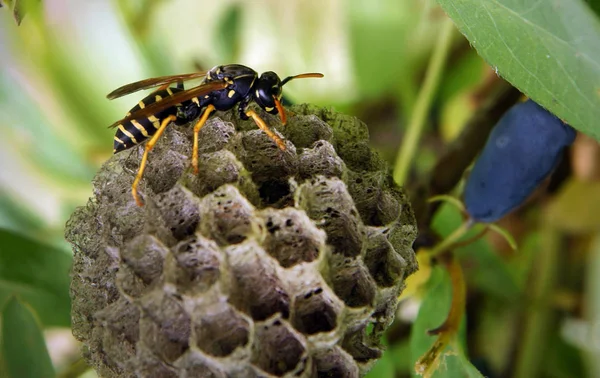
[484,268]
[432,314]
[20,7]
[389,43]
[547,49]
[595,5]
[384,368]
[463,75]
[400,354]
[229,32]
[591,297]
[23,347]
[52,155]
[38,274]
[16,217]
[563,360]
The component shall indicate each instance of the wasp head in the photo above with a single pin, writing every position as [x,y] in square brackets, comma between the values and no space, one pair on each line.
[269,89]
[268,92]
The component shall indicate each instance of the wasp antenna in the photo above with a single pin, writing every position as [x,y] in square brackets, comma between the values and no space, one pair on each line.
[302,76]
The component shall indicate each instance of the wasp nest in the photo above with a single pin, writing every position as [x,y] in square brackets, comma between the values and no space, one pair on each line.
[268,263]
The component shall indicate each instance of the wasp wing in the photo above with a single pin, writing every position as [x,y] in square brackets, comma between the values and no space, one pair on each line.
[173,100]
[153,82]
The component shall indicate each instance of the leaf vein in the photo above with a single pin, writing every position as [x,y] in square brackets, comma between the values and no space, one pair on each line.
[569,45]
[516,59]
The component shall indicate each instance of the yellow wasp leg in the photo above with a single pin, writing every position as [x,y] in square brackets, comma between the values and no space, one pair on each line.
[209,109]
[263,126]
[149,145]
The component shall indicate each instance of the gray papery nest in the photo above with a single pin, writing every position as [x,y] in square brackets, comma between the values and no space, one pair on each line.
[267,263]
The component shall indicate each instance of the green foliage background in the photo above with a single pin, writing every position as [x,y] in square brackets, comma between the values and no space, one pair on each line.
[530,313]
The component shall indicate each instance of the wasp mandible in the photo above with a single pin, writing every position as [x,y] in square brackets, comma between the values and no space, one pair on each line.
[222,88]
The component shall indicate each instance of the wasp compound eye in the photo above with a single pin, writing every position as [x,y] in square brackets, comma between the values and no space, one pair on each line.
[269,262]
[522,150]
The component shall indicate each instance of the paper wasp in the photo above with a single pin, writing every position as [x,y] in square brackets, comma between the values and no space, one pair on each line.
[222,88]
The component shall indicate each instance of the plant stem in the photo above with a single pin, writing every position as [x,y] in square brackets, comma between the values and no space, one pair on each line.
[430,361]
[449,241]
[592,301]
[539,316]
[424,100]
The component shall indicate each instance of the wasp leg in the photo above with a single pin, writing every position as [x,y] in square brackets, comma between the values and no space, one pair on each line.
[149,145]
[209,109]
[263,126]
[243,106]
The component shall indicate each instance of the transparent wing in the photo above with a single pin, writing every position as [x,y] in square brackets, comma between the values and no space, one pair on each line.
[173,100]
[153,82]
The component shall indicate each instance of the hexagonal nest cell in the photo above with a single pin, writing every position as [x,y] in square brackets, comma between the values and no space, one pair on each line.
[268,263]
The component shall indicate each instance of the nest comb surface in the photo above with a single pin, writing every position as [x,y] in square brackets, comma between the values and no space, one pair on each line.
[268,263]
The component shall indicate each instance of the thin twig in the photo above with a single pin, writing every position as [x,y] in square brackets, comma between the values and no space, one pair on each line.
[424,100]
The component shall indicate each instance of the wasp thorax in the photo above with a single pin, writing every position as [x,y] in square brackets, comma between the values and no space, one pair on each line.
[268,263]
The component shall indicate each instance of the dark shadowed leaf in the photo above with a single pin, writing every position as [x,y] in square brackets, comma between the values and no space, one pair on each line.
[564,360]
[38,274]
[595,5]
[23,347]
[547,49]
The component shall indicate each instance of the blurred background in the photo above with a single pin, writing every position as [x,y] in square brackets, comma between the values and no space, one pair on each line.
[530,312]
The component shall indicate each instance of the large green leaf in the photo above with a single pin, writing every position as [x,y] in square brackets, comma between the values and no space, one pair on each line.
[547,49]
[23,348]
[38,274]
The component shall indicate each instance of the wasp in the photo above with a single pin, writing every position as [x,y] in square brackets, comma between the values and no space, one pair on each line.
[222,88]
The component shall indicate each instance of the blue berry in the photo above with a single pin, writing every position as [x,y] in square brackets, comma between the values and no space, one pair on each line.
[522,150]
